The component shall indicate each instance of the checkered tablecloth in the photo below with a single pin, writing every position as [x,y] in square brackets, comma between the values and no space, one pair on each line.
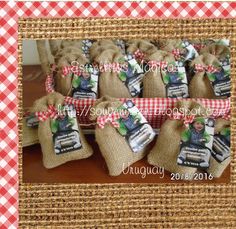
[10,13]
[155,110]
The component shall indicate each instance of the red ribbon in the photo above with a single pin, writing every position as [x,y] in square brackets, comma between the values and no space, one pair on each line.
[110,118]
[139,55]
[179,116]
[161,64]
[50,113]
[66,70]
[206,68]
[49,84]
[176,53]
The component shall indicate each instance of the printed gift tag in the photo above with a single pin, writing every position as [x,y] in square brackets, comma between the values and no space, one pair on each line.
[121,44]
[187,53]
[132,75]
[32,120]
[221,145]
[85,85]
[196,143]
[134,127]
[86,45]
[175,80]
[220,81]
[65,131]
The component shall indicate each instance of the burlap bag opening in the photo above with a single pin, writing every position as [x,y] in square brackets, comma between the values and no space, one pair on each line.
[200,86]
[167,147]
[50,159]
[218,50]
[101,45]
[114,148]
[64,58]
[153,85]
[170,44]
[145,46]
[106,52]
[216,168]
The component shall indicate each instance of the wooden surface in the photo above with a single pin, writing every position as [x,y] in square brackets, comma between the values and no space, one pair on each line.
[91,170]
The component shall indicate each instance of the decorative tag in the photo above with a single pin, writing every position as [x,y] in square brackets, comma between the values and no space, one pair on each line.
[132,76]
[196,143]
[175,80]
[220,81]
[65,131]
[221,145]
[32,120]
[134,127]
[187,53]
[85,85]
[86,47]
[121,44]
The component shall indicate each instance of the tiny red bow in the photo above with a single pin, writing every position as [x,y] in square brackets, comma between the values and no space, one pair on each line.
[110,118]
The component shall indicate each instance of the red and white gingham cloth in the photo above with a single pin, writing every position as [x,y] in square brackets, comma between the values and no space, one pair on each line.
[176,53]
[155,110]
[157,64]
[139,55]
[49,83]
[109,118]
[50,113]
[11,11]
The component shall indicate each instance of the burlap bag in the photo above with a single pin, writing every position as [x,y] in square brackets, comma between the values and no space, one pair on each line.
[144,46]
[216,168]
[168,45]
[200,86]
[167,147]
[153,85]
[65,57]
[218,50]
[50,159]
[30,135]
[109,81]
[101,45]
[114,148]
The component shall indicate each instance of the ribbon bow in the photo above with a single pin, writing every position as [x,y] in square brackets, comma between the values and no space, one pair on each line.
[179,116]
[139,55]
[49,84]
[207,68]
[50,113]
[176,53]
[198,47]
[110,118]
[160,64]
[70,69]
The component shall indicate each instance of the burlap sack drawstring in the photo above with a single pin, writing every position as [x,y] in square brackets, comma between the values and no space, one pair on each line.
[153,85]
[164,154]
[216,168]
[200,86]
[50,159]
[114,147]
